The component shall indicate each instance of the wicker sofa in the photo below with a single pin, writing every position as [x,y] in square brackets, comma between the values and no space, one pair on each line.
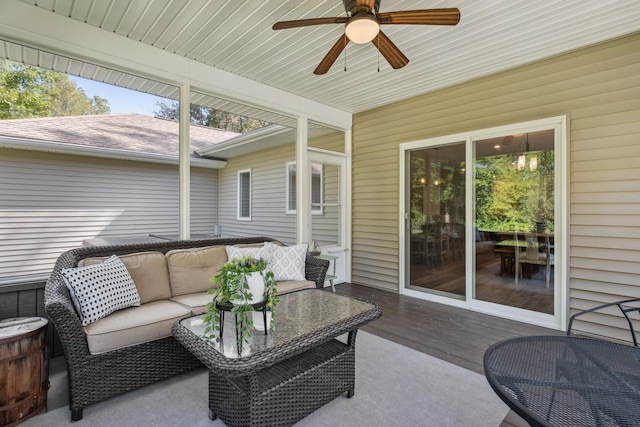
[99,373]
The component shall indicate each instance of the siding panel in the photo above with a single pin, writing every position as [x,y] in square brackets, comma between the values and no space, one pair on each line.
[599,89]
[268,204]
[51,203]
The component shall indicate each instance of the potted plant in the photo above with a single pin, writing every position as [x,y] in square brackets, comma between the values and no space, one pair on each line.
[237,289]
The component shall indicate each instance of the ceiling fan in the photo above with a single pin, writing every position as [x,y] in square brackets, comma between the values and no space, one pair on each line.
[362,25]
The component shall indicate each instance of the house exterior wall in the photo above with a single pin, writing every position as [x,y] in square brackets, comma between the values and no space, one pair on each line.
[599,89]
[268,186]
[52,202]
[267,195]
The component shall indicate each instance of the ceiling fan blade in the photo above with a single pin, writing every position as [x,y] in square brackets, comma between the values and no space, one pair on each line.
[390,51]
[283,25]
[449,16]
[332,55]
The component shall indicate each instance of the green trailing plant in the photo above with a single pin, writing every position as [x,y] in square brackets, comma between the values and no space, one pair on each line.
[232,285]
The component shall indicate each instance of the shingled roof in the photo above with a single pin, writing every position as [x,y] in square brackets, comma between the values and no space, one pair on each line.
[132,132]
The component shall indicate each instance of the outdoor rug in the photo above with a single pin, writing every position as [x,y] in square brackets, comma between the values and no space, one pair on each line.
[395,386]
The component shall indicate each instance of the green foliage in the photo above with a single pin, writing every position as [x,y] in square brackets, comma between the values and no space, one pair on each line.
[506,199]
[27,91]
[509,199]
[232,285]
[210,117]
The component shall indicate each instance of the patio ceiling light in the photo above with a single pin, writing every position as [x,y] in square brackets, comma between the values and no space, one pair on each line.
[362,28]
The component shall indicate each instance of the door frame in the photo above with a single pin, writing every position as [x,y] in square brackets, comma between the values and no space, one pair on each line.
[341,266]
[559,319]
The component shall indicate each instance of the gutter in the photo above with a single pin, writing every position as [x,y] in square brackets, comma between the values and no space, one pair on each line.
[105,153]
[241,143]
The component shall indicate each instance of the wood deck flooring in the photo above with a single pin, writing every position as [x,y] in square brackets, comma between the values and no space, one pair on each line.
[456,335]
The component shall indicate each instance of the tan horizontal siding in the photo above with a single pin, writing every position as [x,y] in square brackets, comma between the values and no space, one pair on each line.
[599,89]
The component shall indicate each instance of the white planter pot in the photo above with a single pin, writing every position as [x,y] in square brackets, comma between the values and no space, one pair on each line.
[256,288]
[258,320]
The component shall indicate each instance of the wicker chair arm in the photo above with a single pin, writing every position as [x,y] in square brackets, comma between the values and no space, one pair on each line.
[62,313]
[315,269]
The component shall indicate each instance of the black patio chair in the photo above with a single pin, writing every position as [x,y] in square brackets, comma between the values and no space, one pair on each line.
[624,310]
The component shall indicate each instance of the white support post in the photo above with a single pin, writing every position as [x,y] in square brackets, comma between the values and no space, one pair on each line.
[303,183]
[346,210]
[185,164]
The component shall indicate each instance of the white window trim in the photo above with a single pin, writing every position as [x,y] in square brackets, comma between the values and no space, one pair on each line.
[239,195]
[316,209]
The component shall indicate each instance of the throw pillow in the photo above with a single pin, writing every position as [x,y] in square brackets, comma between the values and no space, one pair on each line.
[287,262]
[100,289]
[254,252]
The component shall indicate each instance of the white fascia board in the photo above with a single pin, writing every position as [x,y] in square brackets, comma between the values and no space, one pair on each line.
[105,153]
[267,136]
[31,26]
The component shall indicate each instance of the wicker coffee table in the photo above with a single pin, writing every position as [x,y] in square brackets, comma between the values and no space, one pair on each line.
[282,377]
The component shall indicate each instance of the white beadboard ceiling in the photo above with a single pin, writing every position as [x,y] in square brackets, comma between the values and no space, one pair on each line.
[236,36]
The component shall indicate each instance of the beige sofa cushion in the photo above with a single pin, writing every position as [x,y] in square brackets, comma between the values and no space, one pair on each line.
[294,285]
[134,325]
[191,270]
[195,302]
[149,272]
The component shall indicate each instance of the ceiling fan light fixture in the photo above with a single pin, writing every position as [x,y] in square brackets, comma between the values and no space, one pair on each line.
[362,28]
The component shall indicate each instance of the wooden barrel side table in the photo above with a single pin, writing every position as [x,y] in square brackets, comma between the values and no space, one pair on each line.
[24,369]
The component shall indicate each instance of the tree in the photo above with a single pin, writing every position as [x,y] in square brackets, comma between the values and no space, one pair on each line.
[509,199]
[27,91]
[211,117]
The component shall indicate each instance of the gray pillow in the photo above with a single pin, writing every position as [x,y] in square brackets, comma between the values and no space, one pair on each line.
[287,262]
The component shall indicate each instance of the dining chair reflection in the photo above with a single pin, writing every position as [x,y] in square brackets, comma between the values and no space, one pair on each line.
[535,250]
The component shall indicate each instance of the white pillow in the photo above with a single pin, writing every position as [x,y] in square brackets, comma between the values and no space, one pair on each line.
[287,262]
[100,289]
[254,252]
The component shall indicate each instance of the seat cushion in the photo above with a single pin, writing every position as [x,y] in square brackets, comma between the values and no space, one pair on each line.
[191,270]
[134,325]
[195,302]
[149,272]
[294,285]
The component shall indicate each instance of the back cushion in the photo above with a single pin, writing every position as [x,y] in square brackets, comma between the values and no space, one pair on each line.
[149,272]
[191,270]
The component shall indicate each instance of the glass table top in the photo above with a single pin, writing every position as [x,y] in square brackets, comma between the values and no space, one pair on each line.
[299,315]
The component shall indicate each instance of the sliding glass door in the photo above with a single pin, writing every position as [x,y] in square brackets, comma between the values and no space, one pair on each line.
[481,220]
[514,223]
[437,216]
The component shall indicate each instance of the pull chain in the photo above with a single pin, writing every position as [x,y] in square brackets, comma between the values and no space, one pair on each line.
[345,53]
[378,44]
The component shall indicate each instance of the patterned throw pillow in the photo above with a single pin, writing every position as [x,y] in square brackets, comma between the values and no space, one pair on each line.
[256,252]
[100,289]
[287,262]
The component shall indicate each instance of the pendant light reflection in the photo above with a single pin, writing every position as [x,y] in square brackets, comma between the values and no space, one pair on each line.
[522,159]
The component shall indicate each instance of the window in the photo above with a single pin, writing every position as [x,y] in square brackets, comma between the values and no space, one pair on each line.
[244,194]
[316,188]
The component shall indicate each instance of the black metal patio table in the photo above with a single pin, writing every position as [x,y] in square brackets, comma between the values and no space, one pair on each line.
[567,380]
[281,377]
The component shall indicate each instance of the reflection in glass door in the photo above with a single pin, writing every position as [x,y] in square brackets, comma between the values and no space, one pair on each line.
[436,221]
[514,229]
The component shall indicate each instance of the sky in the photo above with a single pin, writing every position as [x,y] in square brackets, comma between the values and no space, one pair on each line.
[121,101]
